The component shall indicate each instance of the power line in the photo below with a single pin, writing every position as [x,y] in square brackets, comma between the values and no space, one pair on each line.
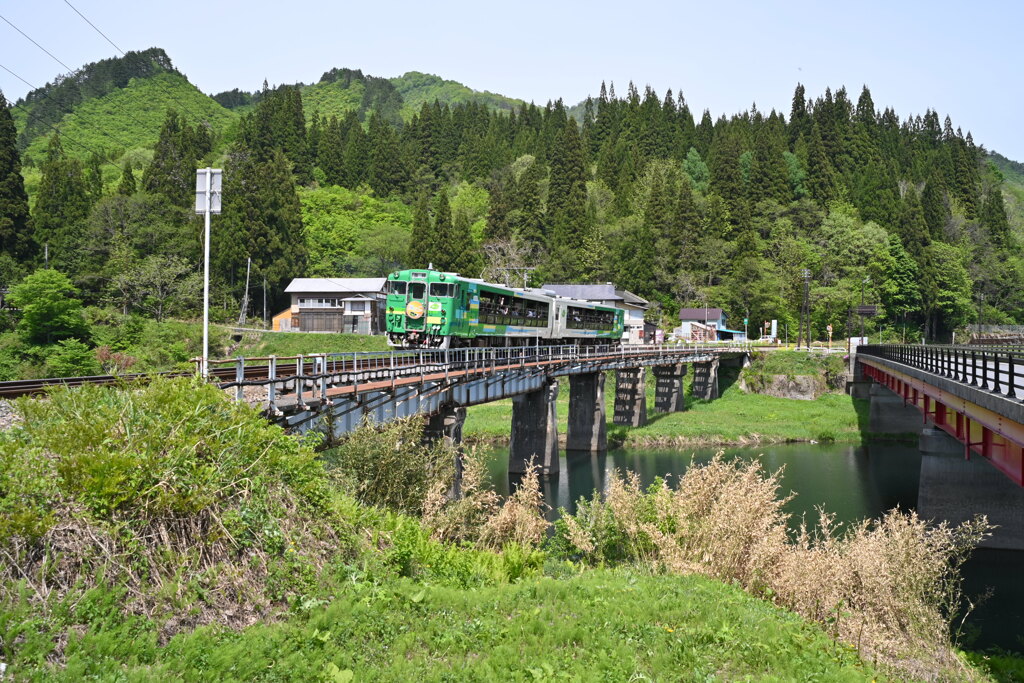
[72,71]
[120,143]
[161,85]
[93,26]
[27,37]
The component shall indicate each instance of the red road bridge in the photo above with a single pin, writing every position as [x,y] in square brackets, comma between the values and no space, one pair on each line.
[967,405]
[340,391]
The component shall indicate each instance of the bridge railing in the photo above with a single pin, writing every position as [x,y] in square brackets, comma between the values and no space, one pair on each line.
[311,374]
[996,369]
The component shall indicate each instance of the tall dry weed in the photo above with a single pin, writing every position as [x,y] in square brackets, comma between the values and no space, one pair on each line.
[479,516]
[888,588]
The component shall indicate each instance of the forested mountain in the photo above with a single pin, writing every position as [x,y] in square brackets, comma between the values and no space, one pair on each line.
[356,175]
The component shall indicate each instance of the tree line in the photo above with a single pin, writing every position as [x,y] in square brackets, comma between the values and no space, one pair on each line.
[902,213]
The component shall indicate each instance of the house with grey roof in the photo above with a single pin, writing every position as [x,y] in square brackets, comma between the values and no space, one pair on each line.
[636,330]
[705,324]
[320,304]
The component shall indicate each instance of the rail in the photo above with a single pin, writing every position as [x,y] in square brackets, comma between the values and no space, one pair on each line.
[272,371]
[316,371]
[996,369]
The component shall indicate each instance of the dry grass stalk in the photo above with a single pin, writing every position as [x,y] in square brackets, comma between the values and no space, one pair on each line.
[888,588]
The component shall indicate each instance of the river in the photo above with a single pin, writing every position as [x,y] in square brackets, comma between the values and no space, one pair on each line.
[850,482]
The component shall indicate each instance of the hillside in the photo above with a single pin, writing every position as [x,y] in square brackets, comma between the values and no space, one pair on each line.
[1013,188]
[128,119]
[418,88]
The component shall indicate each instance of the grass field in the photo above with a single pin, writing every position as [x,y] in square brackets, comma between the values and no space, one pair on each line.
[734,418]
[599,625]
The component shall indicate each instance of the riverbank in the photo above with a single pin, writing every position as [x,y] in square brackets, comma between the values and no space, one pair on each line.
[736,418]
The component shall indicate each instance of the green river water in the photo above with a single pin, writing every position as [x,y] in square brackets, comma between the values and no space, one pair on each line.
[853,482]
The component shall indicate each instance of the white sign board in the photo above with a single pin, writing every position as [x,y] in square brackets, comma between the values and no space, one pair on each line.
[858,341]
[201,185]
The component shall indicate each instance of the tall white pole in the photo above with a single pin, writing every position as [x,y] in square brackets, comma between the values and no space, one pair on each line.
[206,277]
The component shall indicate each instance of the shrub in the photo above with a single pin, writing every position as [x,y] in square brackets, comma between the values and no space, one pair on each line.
[888,588]
[72,358]
[168,490]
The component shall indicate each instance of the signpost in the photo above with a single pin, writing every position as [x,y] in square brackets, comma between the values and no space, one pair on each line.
[208,184]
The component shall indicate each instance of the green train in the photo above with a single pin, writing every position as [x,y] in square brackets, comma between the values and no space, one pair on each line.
[430,309]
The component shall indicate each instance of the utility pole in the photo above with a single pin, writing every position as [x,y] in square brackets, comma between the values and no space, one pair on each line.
[208,182]
[805,311]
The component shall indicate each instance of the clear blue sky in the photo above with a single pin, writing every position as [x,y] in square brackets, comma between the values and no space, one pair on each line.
[962,59]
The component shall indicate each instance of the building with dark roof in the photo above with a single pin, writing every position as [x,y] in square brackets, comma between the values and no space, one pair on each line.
[345,304]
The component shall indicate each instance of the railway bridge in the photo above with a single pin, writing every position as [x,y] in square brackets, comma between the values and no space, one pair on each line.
[967,405]
[339,391]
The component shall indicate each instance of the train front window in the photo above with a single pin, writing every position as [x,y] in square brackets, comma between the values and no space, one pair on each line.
[396,287]
[417,290]
[439,289]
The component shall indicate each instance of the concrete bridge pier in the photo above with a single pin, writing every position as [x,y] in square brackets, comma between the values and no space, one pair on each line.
[955,489]
[535,430]
[630,398]
[705,380]
[668,392]
[887,413]
[587,431]
[447,424]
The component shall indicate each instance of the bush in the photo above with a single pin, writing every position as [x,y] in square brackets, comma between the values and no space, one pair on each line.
[72,358]
[168,490]
[888,588]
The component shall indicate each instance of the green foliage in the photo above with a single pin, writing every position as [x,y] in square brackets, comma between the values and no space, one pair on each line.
[15,238]
[353,233]
[49,309]
[72,358]
[388,467]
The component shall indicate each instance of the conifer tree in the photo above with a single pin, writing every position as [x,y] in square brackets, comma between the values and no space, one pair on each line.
[443,252]
[993,217]
[173,169]
[933,206]
[567,200]
[262,220]
[423,241]
[331,153]
[821,180]
[527,216]
[465,259]
[498,227]
[799,119]
[127,184]
[15,233]
[913,230]
[357,157]
[386,172]
[769,176]
[61,207]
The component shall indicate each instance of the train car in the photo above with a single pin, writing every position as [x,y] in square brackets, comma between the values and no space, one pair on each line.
[430,309]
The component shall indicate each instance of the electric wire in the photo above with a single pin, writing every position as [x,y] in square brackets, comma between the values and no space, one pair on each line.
[120,143]
[102,157]
[159,83]
[144,126]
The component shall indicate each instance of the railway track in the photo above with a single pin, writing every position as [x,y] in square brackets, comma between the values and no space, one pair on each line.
[224,372]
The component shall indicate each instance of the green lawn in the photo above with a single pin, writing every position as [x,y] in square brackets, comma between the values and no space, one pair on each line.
[600,625]
[734,418]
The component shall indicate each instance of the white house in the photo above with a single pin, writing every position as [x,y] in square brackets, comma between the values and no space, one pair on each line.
[319,304]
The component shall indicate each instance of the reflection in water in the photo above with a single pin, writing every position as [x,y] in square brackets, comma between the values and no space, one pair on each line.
[850,482]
